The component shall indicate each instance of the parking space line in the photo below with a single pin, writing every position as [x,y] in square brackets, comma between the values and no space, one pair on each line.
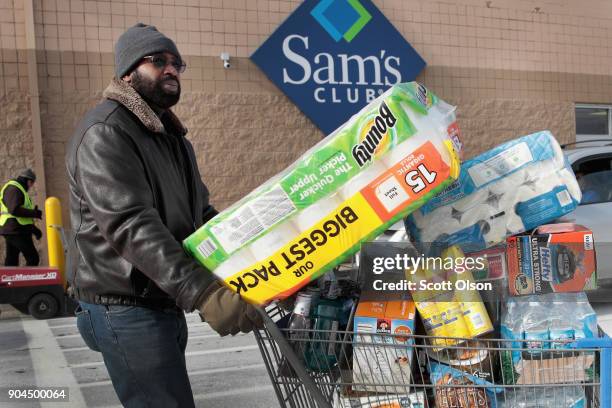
[50,366]
[68,336]
[189,354]
[191,374]
[75,349]
[233,392]
[197,336]
[64,326]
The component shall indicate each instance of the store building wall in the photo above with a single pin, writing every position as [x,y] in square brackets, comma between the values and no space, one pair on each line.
[512,67]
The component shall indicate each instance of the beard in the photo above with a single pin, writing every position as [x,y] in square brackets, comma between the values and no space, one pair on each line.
[153,91]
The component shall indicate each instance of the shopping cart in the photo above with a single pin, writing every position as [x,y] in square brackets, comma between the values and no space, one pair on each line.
[385,370]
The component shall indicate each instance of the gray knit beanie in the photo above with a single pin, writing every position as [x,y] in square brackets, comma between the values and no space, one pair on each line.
[137,42]
[28,174]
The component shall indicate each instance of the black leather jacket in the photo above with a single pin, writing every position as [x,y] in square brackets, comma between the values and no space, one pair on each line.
[135,194]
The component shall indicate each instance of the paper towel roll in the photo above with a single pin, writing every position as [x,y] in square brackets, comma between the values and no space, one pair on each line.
[438,222]
[501,186]
[546,183]
[540,169]
[559,157]
[450,226]
[240,260]
[569,179]
[365,177]
[441,116]
[273,240]
[404,149]
[509,182]
[433,235]
[482,212]
[525,193]
[518,177]
[419,219]
[440,214]
[470,201]
[514,224]
[507,201]
[310,215]
[495,232]
[426,131]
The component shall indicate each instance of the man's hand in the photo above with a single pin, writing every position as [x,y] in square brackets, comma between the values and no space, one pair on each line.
[37,214]
[37,232]
[227,313]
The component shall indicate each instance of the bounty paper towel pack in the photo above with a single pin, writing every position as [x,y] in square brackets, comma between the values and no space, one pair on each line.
[510,189]
[386,161]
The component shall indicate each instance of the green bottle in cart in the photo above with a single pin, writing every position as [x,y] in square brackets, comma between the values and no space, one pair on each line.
[322,354]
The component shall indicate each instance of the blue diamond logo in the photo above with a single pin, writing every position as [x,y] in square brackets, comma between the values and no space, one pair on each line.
[341,18]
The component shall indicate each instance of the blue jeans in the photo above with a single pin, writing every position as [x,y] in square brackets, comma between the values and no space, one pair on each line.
[143,350]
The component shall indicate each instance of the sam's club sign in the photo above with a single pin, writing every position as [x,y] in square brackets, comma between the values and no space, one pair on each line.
[332,57]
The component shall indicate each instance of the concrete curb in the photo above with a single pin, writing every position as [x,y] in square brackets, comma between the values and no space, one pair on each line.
[8,312]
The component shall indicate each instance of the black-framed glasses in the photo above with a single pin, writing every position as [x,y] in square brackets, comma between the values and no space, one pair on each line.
[160,62]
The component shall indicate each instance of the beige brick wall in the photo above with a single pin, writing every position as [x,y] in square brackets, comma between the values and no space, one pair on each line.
[511,67]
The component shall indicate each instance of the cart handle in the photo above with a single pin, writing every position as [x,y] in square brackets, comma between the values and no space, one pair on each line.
[593,342]
[293,360]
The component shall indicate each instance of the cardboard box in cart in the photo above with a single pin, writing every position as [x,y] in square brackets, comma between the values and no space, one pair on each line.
[555,258]
[372,400]
[381,355]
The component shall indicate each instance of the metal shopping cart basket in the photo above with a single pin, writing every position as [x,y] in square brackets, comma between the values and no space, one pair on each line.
[344,369]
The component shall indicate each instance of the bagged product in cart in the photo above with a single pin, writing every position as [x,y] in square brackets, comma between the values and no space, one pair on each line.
[382,352]
[386,161]
[538,328]
[554,258]
[475,357]
[450,391]
[512,188]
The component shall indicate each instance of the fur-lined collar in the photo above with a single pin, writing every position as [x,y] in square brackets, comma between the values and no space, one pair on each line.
[123,93]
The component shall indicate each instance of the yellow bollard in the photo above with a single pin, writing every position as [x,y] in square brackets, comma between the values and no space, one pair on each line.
[53,218]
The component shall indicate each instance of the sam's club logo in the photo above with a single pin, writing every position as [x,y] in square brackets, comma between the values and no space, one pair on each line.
[332,57]
[341,19]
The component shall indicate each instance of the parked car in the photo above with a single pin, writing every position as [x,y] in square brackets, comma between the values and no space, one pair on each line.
[593,168]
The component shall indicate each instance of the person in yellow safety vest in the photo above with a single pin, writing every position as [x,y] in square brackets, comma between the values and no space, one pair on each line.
[17,215]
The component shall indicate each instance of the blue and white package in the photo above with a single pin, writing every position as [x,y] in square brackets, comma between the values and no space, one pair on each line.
[512,188]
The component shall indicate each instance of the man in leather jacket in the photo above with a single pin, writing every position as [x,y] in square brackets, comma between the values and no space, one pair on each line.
[135,194]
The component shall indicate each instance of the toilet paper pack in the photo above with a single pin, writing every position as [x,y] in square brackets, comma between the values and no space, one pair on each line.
[386,161]
[510,189]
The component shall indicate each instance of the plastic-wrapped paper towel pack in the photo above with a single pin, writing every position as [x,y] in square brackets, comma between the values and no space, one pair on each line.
[386,161]
[507,190]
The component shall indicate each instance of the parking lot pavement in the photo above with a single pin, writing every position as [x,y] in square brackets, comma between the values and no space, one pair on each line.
[224,372]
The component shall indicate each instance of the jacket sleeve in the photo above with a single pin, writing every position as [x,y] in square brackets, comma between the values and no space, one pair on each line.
[114,185]
[14,199]
[209,212]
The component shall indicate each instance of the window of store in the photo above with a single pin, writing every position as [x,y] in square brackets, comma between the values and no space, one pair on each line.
[593,122]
